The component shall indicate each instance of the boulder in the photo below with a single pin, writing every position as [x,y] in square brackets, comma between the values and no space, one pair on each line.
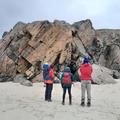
[22,80]
[116,74]
[102,75]
[41,41]
[27,83]
[19,78]
[5,78]
[110,40]
[58,43]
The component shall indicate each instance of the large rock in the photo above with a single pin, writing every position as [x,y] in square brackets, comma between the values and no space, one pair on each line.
[27,83]
[5,78]
[110,40]
[116,74]
[102,75]
[27,44]
[22,80]
[19,78]
[57,43]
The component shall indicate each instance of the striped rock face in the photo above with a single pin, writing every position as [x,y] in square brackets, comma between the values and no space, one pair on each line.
[26,47]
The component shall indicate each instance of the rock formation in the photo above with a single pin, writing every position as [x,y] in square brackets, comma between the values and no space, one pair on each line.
[26,47]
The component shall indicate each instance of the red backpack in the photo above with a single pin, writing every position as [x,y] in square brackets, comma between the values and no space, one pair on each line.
[66,78]
[51,73]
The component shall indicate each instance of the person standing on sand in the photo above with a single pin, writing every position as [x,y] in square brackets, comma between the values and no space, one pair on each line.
[86,71]
[48,75]
[66,81]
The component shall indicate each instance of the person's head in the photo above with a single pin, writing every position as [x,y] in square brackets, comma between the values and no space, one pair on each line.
[51,66]
[67,69]
[45,66]
[86,60]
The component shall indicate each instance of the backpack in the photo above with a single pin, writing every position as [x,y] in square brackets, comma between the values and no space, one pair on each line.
[51,73]
[46,74]
[66,78]
[46,71]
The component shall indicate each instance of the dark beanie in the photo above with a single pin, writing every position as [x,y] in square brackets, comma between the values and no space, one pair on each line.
[86,60]
[67,69]
[51,66]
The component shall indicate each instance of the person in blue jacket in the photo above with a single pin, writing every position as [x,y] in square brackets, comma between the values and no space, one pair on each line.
[48,76]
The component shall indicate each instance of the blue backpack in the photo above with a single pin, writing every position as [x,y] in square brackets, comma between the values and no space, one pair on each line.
[46,71]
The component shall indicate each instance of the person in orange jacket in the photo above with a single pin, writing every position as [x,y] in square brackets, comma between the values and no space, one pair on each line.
[48,75]
[86,71]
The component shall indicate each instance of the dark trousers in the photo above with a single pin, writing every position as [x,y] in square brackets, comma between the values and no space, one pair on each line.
[69,92]
[48,91]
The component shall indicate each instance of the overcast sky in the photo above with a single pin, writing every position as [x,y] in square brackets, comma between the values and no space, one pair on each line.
[103,13]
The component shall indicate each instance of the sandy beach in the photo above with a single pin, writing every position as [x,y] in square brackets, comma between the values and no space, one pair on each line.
[19,102]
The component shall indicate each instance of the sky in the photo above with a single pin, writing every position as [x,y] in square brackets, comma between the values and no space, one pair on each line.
[102,13]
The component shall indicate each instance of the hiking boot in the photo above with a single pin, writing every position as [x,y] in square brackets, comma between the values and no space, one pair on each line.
[49,100]
[63,103]
[88,104]
[82,104]
[70,103]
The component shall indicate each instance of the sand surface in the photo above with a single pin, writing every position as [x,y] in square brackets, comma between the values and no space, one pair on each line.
[19,102]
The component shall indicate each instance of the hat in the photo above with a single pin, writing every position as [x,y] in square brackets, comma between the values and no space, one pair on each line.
[86,60]
[45,66]
[67,69]
[51,66]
